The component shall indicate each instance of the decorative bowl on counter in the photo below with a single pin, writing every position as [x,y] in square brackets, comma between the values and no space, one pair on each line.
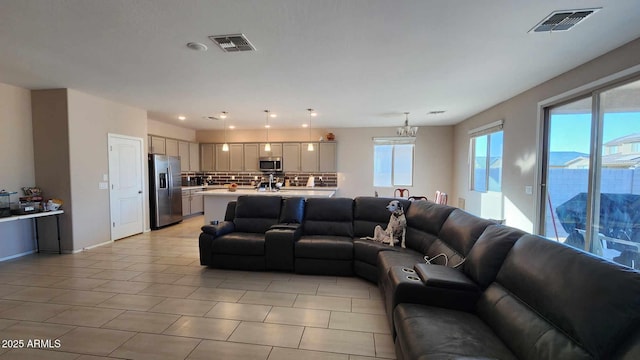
[232,187]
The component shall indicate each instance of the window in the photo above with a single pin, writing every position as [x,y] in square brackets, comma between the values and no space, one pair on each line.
[486,158]
[594,206]
[393,161]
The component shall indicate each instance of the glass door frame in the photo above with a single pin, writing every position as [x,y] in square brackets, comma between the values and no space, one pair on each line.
[595,169]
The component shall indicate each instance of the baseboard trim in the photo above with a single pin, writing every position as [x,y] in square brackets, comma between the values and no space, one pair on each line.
[17,255]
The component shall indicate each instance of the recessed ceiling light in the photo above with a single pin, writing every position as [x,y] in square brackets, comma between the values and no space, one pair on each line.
[305,125]
[197,46]
[232,127]
[273,115]
[223,115]
[182,117]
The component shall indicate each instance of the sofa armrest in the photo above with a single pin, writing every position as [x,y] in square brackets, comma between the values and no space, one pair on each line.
[219,229]
[444,277]
[279,246]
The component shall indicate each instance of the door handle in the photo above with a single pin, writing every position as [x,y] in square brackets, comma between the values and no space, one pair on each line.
[139,191]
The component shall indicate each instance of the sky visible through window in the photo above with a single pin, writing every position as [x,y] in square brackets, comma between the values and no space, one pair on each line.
[570,132]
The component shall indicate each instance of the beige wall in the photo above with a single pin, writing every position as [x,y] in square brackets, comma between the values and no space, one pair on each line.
[217,136]
[91,119]
[171,131]
[521,143]
[16,159]
[51,158]
[432,161]
[70,132]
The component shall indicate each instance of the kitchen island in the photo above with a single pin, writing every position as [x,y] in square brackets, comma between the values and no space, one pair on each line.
[215,201]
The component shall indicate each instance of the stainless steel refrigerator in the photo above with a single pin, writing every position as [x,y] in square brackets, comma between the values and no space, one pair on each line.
[165,192]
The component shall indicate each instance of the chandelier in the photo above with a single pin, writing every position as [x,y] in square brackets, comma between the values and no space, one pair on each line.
[406,130]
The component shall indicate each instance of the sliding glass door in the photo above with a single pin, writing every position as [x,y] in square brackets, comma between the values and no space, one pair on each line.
[591,184]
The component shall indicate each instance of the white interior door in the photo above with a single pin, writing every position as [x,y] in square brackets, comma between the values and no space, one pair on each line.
[125,186]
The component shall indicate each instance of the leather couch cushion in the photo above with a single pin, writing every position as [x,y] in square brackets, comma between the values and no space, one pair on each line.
[549,298]
[461,230]
[427,216]
[329,216]
[324,247]
[487,254]
[256,214]
[426,332]
[238,243]
[292,210]
[371,211]
[367,250]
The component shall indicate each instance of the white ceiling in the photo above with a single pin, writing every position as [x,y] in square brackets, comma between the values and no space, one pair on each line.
[360,63]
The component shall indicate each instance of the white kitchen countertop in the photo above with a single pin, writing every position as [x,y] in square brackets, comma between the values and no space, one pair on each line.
[304,192]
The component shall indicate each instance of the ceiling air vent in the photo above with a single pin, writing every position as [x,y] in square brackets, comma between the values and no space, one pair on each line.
[563,20]
[232,43]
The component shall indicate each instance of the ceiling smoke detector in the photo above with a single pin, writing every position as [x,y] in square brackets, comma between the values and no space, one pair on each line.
[232,43]
[563,20]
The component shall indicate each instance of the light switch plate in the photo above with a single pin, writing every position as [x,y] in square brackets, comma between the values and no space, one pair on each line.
[103,185]
[528,190]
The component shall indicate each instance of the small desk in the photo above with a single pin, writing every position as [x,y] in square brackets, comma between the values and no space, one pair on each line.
[35,217]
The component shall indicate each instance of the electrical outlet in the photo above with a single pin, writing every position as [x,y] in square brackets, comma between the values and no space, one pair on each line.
[528,190]
[105,177]
[103,185]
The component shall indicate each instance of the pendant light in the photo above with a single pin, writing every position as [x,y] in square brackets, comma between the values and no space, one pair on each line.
[267,146]
[311,113]
[407,130]
[225,146]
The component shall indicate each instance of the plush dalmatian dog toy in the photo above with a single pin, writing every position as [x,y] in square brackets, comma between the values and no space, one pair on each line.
[396,229]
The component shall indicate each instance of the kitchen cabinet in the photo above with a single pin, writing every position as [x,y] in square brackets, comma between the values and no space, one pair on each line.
[276,150]
[251,156]
[308,159]
[291,157]
[236,157]
[171,147]
[327,157]
[222,158]
[194,157]
[192,203]
[186,203]
[157,145]
[197,203]
[207,157]
[183,152]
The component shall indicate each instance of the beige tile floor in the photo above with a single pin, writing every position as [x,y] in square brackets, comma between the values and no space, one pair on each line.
[147,297]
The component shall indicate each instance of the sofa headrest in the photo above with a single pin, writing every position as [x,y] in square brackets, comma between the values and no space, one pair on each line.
[427,216]
[328,216]
[371,211]
[256,213]
[461,230]
[487,255]
[292,210]
[593,301]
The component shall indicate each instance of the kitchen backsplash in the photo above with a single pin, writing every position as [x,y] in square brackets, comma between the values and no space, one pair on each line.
[191,178]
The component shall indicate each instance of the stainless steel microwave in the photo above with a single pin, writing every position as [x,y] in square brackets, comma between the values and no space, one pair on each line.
[270,164]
